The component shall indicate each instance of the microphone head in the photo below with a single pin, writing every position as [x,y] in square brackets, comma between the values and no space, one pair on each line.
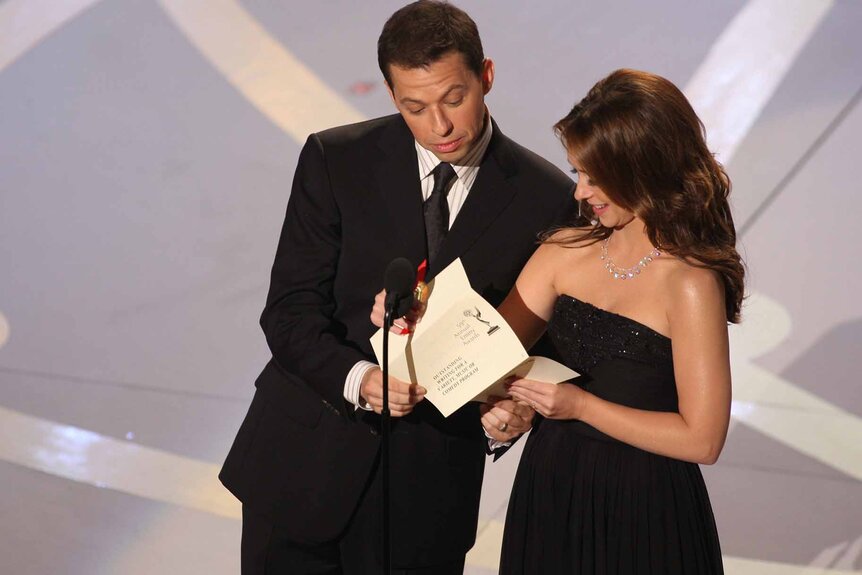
[399,278]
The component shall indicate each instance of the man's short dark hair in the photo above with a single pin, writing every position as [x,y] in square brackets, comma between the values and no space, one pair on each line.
[421,33]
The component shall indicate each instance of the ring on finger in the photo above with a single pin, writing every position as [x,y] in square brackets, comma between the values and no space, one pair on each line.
[503,426]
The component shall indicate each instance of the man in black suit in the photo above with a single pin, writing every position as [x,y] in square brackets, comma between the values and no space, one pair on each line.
[440,181]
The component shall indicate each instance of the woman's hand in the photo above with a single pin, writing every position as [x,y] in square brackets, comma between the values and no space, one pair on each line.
[553,401]
[402,325]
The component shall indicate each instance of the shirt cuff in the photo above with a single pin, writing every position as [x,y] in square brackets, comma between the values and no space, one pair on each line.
[353,382]
[494,444]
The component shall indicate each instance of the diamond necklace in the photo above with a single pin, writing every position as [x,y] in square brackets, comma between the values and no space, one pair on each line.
[619,273]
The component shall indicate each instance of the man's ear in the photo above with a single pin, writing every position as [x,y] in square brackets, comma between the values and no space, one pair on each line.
[487,75]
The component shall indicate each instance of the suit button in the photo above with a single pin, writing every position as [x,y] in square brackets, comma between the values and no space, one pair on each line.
[373,431]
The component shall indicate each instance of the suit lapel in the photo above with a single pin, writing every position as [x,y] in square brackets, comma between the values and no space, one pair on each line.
[489,196]
[397,178]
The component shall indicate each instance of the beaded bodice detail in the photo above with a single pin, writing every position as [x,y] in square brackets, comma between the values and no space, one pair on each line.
[586,335]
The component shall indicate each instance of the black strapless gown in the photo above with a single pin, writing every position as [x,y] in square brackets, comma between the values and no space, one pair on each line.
[584,503]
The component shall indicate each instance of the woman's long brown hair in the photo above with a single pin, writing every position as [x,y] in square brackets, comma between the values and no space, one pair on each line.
[640,141]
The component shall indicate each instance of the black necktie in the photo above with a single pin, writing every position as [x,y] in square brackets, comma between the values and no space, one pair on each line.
[436,210]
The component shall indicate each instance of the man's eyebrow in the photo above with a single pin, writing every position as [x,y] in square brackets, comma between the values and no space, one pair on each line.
[411,101]
[446,94]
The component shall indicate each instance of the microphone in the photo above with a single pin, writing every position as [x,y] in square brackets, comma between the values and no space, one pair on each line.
[398,282]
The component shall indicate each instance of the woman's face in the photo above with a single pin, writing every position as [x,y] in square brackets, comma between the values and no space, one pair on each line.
[604,210]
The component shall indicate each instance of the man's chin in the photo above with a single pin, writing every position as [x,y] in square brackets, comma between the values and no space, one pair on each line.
[457,151]
[453,157]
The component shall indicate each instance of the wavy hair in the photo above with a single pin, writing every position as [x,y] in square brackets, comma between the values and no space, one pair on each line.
[640,141]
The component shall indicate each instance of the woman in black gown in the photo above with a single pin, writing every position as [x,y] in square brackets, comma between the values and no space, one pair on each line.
[638,304]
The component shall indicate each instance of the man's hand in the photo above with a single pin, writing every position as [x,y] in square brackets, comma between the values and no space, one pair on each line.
[505,419]
[402,396]
[402,325]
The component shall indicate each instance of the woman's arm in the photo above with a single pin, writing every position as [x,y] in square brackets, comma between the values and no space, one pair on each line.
[702,371]
[530,303]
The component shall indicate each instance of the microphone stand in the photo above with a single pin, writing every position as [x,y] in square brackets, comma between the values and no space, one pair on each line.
[386,436]
[398,283]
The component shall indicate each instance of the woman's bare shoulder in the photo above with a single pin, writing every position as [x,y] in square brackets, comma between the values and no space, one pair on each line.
[567,235]
[569,240]
[692,286]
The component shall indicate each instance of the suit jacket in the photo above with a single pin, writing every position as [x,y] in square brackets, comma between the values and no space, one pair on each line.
[303,454]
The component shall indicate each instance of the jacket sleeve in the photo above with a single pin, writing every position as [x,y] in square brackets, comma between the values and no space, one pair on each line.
[305,339]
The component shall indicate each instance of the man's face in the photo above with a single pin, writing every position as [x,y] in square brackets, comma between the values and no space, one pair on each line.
[443,104]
